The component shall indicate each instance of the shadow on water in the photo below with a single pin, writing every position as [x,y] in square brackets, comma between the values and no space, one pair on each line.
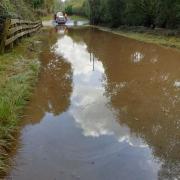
[106,107]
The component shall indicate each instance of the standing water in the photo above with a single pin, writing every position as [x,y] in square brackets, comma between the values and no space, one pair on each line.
[105,108]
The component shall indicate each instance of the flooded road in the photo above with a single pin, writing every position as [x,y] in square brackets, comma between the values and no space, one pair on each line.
[105,108]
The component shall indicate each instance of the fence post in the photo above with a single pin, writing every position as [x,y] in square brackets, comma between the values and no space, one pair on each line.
[4,33]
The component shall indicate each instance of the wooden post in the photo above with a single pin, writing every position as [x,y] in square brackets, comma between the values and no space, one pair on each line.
[3,35]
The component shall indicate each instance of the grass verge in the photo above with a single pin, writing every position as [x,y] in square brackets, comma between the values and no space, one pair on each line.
[147,36]
[78,18]
[47,18]
[18,73]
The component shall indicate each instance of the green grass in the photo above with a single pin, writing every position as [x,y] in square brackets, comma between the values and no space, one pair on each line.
[78,18]
[47,18]
[18,74]
[171,41]
[168,41]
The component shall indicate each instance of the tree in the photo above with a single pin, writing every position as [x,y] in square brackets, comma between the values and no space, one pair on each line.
[115,10]
[37,3]
[94,12]
[169,15]
[149,13]
[68,10]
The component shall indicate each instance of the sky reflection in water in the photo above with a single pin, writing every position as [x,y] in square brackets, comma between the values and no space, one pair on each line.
[90,106]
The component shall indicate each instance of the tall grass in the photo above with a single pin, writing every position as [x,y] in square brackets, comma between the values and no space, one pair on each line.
[18,74]
[146,36]
[170,41]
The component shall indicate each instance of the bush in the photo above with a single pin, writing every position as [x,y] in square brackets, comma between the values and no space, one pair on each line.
[148,13]
[69,10]
[16,9]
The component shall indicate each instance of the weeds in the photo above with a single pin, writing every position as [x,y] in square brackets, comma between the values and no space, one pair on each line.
[146,36]
[18,74]
[169,41]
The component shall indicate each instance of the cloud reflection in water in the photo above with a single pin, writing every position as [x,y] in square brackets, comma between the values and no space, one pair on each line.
[89,105]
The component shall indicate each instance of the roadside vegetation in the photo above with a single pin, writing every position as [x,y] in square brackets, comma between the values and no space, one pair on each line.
[78,18]
[16,9]
[47,17]
[169,41]
[112,13]
[75,7]
[147,13]
[162,37]
[28,9]
[19,72]
[115,13]
[152,21]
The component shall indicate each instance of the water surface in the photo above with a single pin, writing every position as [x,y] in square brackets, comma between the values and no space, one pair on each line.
[105,108]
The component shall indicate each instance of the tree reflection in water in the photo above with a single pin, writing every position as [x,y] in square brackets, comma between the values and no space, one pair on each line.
[54,88]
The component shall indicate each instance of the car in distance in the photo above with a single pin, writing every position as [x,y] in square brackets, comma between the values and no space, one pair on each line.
[59,18]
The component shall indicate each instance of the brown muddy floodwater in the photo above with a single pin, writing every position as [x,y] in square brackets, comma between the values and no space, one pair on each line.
[105,108]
